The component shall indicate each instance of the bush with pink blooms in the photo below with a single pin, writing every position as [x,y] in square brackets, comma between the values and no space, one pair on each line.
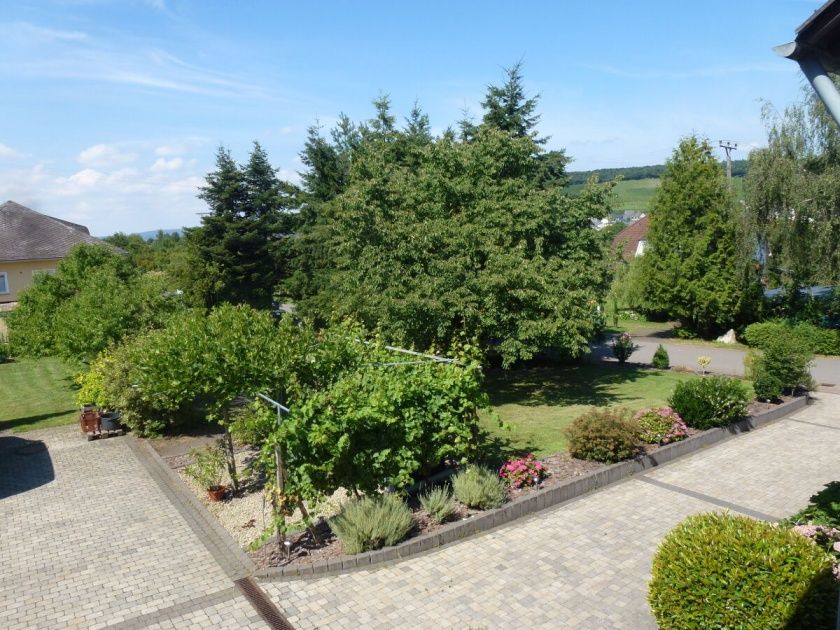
[523,472]
[661,426]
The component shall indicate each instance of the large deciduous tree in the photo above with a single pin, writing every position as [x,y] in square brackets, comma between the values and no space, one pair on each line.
[693,268]
[436,237]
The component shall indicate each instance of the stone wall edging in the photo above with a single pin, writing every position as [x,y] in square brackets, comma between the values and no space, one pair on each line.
[533,502]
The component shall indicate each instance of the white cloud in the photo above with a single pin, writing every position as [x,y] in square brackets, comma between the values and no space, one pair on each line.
[31,51]
[106,201]
[7,152]
[162,164]
[104,155]
[44,34]
[165,150]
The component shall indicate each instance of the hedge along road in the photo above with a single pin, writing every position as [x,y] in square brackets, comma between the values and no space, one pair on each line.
[825,370]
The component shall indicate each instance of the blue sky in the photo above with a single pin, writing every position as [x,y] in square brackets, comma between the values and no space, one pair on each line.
[112,110]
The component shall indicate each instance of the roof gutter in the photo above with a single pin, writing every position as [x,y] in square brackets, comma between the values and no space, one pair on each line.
[812,67]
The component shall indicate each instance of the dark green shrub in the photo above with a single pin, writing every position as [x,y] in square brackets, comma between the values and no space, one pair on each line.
[623,347]
[661,361]
[480,488]
[438,503]
[372,522]
[758,334]
[817,340]
[722,571]
[787,359]
[604,435]
[765,385]
[711,401]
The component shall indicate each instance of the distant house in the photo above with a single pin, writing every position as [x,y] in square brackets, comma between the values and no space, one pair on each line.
[631,240]
[32,243]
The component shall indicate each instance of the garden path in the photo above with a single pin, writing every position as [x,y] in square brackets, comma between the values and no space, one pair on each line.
[584,564]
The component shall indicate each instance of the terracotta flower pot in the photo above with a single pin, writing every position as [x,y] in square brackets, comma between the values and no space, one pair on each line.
[216,493]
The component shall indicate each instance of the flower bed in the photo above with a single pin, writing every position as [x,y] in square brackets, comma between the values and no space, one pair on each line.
[558,481]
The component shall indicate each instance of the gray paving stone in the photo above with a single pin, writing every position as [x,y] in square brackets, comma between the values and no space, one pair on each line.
[90,539]
[584,564]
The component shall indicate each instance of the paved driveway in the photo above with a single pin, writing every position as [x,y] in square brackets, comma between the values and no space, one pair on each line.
[102,534]
[584,564]
[93,536]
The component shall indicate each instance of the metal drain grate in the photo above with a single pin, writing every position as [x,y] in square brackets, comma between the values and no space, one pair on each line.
[263,605]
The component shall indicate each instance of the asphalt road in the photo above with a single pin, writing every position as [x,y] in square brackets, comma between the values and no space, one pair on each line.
[825,370]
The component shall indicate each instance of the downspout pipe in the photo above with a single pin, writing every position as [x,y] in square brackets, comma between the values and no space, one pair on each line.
[814,70]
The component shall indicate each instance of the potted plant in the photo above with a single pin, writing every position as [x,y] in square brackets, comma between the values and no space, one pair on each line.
[207,469]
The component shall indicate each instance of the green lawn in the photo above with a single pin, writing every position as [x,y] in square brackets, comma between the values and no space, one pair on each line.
[36,393]
[536,403]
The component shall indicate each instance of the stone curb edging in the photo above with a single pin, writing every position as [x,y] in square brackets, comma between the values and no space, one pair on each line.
[535,501]
[231,558]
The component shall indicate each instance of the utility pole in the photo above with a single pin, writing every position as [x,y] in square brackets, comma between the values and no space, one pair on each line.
[729,147]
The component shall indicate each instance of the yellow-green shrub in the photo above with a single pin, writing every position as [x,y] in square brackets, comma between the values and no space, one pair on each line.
[722,571]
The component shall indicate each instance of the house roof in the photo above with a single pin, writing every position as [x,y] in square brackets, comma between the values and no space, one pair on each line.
[29,235]
[628,239]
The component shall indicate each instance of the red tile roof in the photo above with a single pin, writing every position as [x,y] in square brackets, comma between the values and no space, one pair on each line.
[628,239]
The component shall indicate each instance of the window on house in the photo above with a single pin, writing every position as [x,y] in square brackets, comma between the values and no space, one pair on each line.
[4,282]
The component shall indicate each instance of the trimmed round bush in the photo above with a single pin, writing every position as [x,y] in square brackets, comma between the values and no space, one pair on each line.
[723,571]
[711,401]
[480,488]
[372,522]
[604,435]
[661,360]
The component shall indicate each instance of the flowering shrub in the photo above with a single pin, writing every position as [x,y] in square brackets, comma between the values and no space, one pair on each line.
[661,426]
[522,472]
[623,347]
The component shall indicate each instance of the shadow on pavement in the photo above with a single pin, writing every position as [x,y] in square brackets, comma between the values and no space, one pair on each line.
[24,465]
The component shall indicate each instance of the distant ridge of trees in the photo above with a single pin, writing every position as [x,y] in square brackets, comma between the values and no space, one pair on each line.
[654,171]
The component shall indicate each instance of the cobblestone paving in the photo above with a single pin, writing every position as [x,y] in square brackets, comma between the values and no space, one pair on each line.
[90,539]
[584,564]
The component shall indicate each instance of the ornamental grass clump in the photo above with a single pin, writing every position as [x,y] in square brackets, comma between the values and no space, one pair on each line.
[661,426]
[722,571]
[522,472]
[480,488]
[603,435]
[713,401]
[438,503]
[372,522]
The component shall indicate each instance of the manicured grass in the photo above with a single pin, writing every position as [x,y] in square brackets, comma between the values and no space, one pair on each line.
[36,393]
[537,403]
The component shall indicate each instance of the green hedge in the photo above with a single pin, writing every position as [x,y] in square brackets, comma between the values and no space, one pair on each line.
[723,571]
[819,340]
